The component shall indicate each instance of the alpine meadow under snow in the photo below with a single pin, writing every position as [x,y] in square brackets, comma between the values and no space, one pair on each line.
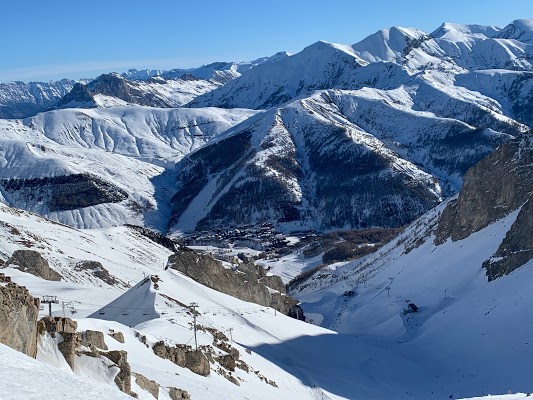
[224,232]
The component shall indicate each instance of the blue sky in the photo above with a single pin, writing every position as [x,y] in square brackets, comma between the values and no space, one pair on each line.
[43,40]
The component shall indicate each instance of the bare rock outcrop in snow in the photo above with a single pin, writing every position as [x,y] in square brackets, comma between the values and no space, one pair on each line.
[18,318]
[499,184]
[248,282]
[32,262]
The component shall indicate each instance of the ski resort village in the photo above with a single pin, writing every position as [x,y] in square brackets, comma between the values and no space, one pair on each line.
[341,221]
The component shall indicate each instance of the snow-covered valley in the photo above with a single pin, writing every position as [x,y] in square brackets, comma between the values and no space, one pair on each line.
[347,222]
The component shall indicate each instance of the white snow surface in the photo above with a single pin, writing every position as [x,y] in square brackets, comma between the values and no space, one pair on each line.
[131,147]
[24,378]
[470,336]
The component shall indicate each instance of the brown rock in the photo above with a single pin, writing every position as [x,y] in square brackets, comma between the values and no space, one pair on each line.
[123,379]
[149,385]
[248,283]
[95,339]
[227,361]
[118,336]
[18,319]
[32,262]
[179,394]
[197,362]
[65,327]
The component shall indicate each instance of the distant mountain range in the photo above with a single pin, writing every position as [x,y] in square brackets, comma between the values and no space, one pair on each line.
[335,136]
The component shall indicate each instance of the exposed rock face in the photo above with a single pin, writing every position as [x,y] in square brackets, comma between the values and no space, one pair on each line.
[62,193]
[123,379]
[97,269]
[178,394]
[116,86]
[78,97]
[118,336]
[18,319]
[32,262]
[65,327]
[227,361]
[183,356]
[499,184]
[248,283]
[517,247]
[197,362]
[95,339]
[149,385]
[155,237]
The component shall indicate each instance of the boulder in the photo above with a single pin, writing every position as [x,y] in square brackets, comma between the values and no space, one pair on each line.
[197,362]
[179,394]
[149,385]
[32,262]
[96,269]
[227,361]
[95,339]
[118,336]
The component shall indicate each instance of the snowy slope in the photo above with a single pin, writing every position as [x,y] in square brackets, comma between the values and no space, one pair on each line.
[472,286]
[152,309]
[388,153]
[24,378]
[130,148]
[461,315]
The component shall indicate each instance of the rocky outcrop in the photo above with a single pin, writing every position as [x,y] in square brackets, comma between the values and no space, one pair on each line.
[18,319]
[517,247]
[498,185]
[155,237]
[197,362]
[179,394]
[227,361]
[32,262]
[96,269]
[183,356]
[118,336]
[248,282]
[94,339]
[123,378]
[65,327]
[78,97]
[62,193]
[149,385]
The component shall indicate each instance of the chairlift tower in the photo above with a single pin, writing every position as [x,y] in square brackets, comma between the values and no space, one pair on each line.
[50,300]
[193,306]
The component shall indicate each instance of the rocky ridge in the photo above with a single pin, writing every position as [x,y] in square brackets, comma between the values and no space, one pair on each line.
[498,185]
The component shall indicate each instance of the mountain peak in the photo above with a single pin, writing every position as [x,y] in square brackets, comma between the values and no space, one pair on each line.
[520,29]
[464,32]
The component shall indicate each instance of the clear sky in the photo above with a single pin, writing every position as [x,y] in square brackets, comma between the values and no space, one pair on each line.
[51,39]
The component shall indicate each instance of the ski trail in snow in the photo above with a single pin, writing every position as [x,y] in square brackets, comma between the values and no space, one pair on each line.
[319,394]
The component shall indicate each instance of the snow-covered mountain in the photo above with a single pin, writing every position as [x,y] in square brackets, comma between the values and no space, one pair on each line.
[21,100]
[155,309]
[218,72]
[112,90]
[340,159]
[465,266]
[393,354]
[452,48]
[102,167]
